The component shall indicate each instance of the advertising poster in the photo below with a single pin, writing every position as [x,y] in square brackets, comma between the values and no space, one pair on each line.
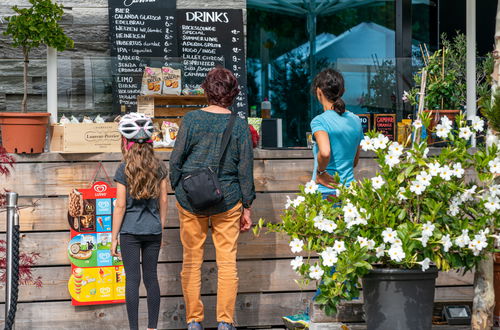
[96,276]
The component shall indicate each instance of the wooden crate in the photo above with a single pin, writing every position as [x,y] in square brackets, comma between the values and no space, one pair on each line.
[85,138]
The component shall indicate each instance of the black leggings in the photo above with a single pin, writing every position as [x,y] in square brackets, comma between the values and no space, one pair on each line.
[131,247]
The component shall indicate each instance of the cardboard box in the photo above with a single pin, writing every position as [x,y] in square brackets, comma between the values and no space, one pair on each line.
[85,138]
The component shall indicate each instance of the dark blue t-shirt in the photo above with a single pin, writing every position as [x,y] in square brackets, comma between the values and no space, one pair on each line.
[142,216]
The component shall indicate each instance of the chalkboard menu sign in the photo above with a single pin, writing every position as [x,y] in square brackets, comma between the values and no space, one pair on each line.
[142,33]
[365,122]
[386,124]
[211,37]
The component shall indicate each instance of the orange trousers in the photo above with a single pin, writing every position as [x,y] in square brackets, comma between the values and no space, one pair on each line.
[225,232]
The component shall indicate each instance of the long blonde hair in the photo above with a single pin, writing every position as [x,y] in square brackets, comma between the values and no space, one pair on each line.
[142,170]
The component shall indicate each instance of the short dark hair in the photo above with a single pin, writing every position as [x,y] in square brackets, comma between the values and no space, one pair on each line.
[221,87]
[331,83]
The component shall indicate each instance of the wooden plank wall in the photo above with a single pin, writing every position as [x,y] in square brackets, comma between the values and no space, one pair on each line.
[267,288]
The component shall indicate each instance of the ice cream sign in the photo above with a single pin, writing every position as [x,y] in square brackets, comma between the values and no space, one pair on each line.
[96,276]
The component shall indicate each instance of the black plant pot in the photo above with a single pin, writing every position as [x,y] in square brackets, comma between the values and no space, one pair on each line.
[399,299]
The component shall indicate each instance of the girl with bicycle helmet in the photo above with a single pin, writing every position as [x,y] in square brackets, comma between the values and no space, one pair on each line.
[140,214]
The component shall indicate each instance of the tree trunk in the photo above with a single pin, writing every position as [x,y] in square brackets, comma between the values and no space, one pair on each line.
[484,292]
[484,295]
[24,105]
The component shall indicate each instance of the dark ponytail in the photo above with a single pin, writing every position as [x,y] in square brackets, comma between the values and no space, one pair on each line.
[331,84]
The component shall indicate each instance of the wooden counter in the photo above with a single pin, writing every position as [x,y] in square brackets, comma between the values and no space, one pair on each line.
[267,288]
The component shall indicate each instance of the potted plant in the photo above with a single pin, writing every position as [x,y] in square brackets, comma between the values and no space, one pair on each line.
[30,28]
[446,87]
[418,215]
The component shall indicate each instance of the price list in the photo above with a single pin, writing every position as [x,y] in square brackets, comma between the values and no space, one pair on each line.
[142,33]
[208,38]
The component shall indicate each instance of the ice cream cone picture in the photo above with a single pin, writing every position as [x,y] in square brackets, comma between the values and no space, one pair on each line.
[77,278]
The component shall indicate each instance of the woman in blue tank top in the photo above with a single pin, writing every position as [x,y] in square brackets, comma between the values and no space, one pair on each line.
[337,133]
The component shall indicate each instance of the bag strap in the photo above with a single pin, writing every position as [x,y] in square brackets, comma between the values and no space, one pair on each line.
[225,138]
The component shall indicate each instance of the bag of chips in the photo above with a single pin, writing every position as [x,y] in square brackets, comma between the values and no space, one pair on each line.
[169,131]
[151,81]
[171,81]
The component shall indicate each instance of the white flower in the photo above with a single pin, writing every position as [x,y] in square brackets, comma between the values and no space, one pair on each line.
[324,224]
[389,235]
[477,124]
[428,229]
[491,138]
[417,187]
[297,262]
[434,168]
[425,153]
[446,241]
[494,165]
[288,202]
[316,272]
[465,133]
[458,171]
[405,97]
[396,149]
[468,194]
[478,243]
[329,257]
[396,253]
[392,159]
[424,178]
[296,245]
[350,211]
[442,131]
[425,264]
[424,240]
[492,203]
[454,209]
[445,172]
[495,190]
[363,241]
[377,182]
[297,201]
[339,246]
[311,187]
[463,240]
[446,122]
[380,250]
[417,123]
[401,193]
[366,144]
[380,142]
[371,244]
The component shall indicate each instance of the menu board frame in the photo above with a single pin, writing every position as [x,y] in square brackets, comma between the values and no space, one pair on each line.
[141,33]
[390,133]
[368,117]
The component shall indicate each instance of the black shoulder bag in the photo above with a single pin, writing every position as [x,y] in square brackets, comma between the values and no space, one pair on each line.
[202,186]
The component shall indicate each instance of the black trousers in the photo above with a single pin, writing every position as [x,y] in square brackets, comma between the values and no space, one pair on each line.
[132,247]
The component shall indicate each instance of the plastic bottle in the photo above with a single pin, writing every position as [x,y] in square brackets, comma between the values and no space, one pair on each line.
[253,111]
[265,109]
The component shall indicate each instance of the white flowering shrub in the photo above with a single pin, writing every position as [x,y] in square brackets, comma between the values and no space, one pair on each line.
[419,210]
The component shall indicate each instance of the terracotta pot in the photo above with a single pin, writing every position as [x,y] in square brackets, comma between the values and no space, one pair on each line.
[436,118]
[24,132]
[496,284]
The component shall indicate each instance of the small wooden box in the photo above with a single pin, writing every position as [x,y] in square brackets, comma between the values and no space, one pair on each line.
[85,138]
